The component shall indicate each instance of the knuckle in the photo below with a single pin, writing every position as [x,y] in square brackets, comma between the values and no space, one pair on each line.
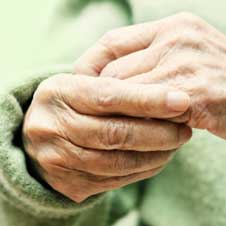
[38,131]
[44,91]
[103,100]
[143,102]
[31,131]
[112,43]
[49,88]
[187,39]
[53,162]
[192,20]
[171,42]
[115,134]
[179,38]
[105,96]
[193,40]
[124,163]
[120,163]
[135,161]
[110,37]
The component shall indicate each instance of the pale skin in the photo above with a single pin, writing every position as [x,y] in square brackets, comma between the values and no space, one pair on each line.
[73,131]
[181,51]
[80,148]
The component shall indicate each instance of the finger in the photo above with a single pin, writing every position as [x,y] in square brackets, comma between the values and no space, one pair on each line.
[112,183]
[104,163]
[115,44]
[78,185]
[166,75]
[117,182]
[172,74]
[121,163]
[135,63]
[103,96]
[159,75]
[107,133]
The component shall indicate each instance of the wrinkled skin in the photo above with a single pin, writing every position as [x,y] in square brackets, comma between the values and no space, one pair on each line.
[80,148]
[180,51]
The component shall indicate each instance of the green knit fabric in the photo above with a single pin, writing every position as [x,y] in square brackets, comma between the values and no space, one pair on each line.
[39,34]
[191,190]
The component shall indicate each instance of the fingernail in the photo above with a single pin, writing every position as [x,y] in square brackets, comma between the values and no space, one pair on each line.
[178,101]
[185,133]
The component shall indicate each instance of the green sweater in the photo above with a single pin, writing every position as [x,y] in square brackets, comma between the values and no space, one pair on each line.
[42,38]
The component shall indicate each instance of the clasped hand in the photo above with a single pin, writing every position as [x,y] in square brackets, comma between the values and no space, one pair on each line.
[128,106]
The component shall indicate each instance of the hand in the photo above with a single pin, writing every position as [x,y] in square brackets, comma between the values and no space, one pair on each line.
[180,51]
[81,150]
